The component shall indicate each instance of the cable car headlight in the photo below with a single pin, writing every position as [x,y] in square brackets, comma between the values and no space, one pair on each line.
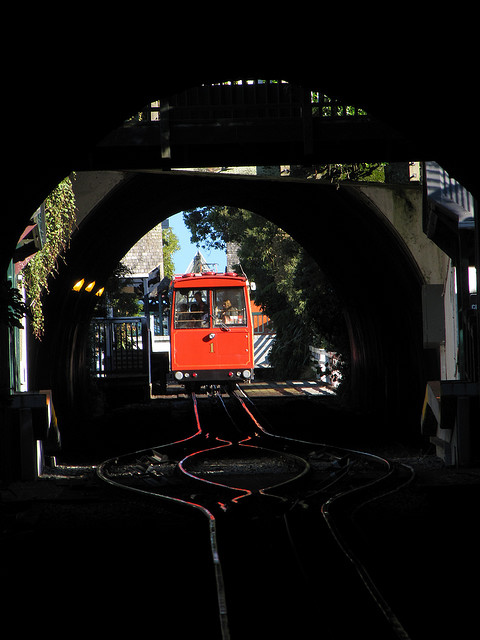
[247,373]
[178,375]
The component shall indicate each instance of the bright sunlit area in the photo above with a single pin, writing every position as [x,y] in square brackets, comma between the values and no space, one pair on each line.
[187,251]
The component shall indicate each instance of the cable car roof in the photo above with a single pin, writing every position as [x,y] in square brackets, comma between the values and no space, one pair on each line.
[208,279]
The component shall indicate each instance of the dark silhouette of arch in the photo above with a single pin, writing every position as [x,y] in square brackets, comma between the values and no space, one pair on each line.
[362,255]
[48,141]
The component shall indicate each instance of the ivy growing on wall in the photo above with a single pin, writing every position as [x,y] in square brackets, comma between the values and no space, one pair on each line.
[60,215]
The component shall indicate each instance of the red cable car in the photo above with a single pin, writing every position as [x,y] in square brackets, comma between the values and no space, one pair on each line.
[211,330]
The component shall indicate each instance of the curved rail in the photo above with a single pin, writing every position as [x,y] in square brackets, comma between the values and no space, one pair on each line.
[256,439]
[369,583]
[330,503]
[221,598]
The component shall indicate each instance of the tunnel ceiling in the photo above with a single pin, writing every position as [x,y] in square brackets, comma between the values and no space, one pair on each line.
[41,150]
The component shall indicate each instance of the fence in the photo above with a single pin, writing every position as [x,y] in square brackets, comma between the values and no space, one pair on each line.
[261,323]
[121,346]
[117,346]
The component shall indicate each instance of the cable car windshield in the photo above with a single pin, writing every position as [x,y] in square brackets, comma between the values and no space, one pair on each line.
[192,307]
[229,307]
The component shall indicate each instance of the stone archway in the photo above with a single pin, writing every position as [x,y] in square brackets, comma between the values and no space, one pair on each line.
[367,264]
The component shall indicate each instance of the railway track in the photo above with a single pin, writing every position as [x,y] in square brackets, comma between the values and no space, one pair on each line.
[280,514]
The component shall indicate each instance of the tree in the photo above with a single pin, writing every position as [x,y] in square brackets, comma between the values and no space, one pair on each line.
[170,246]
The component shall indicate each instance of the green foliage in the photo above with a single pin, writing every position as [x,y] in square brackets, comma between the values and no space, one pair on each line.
[335,173]
[212,227]
[60,215]
[116,298]
[358,171]
[12,306]
[170,246]
[326,107]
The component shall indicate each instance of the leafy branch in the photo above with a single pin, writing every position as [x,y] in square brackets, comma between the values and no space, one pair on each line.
[12,306]
[60,215]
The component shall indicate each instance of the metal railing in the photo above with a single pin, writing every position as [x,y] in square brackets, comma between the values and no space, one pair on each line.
[261,323]
[118,346]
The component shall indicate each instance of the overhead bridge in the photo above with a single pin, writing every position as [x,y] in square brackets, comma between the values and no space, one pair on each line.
[248,123]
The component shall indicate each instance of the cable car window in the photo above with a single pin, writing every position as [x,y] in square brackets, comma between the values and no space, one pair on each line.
[191,309]
[229,307]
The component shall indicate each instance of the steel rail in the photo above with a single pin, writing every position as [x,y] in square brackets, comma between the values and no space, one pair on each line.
[220,585]
[362,571]
[326,510]
[326,507]
[245,442]
[182,466]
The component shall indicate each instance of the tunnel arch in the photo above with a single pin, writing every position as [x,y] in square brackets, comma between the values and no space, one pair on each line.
[373,273]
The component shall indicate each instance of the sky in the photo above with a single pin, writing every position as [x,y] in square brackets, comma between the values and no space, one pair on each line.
[187,251]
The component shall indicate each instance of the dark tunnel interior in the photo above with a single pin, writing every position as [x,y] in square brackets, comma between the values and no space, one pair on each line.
[84,553]
[373,274]
[375,277]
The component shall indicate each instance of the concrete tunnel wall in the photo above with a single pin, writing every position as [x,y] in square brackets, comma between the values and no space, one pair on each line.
[364,258]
